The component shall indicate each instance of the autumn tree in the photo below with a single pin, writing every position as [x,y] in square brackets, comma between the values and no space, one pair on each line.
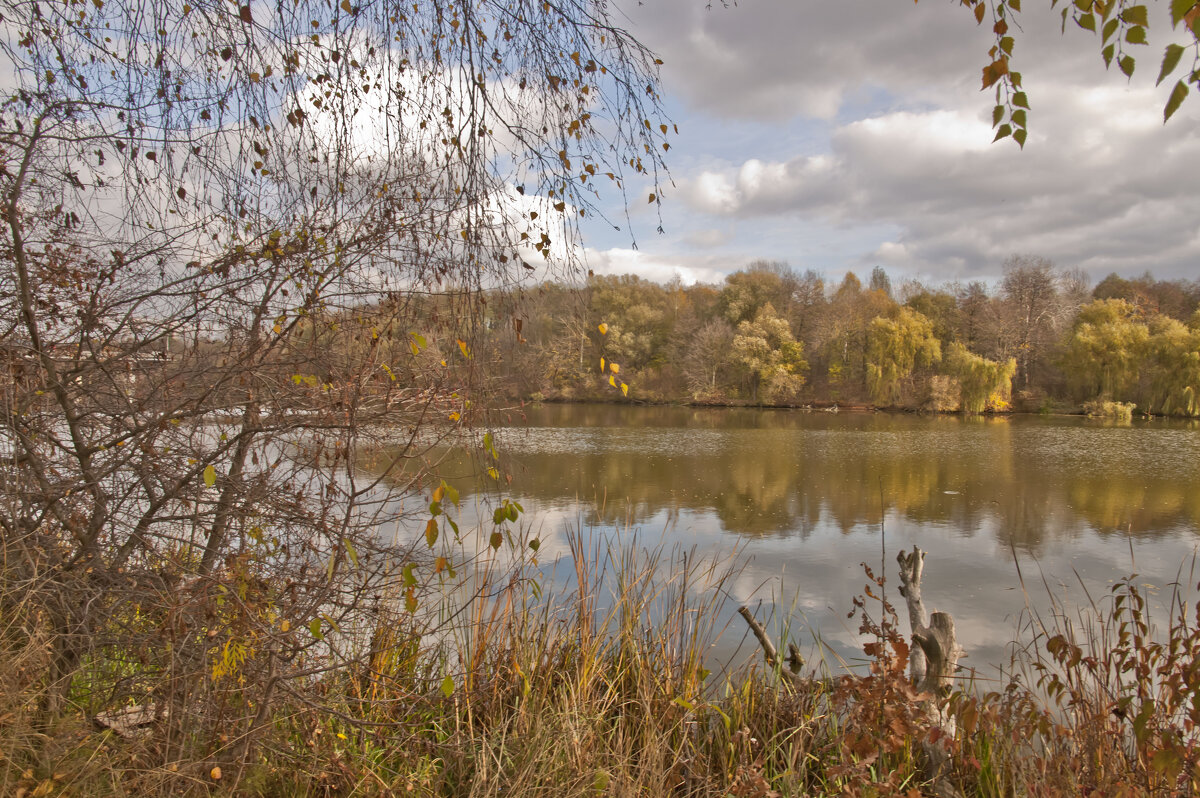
[843,335]
[1034,312]
[770,357]
[202,202]
[1104,350]
[896,345]
[983,384]
[748,290]
[1173,362]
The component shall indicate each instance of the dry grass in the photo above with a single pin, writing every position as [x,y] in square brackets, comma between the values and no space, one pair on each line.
[603,691]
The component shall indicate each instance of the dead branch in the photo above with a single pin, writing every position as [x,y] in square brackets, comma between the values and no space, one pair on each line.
[795,662]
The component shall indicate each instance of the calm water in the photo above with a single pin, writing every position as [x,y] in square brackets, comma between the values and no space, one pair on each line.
[804,496]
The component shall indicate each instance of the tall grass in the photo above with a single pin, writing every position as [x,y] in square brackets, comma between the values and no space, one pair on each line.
[602,689]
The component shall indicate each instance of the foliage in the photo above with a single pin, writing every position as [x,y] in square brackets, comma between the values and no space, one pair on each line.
[1174,364]
[773,360]
[896,345]
[1113,411]
[243,248]
[983,384]
[1122,27]
[1104,348]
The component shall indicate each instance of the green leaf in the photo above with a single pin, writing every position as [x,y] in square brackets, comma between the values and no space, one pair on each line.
[352,553]
[210,476]
[498,515]
[451,492]
[997,115]
[431,532]
[1020,100]
[448,686]
[1019,137]
[1136,36]
[1176,99]
[1107,53]
[1135,15]
[1087,22]
[1110,28]
[535,544]
[1006,44]
[495,540]
[1180,9]
[1018,118]
[1005,130]
[1170,60]
[314,626]
[1125,63]
[410,579]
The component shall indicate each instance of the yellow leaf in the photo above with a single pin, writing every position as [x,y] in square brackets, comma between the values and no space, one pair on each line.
[439,492]
[603,328]
[277,329]
[493,473]
[210,476]
[612,380]
[215,773]
[462,347]
[431,532]
[624,389]
[439,565]
[602,364]
[616,368]
[455,416]
[285,625]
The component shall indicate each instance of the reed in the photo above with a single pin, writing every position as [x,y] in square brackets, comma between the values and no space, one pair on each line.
[602,689]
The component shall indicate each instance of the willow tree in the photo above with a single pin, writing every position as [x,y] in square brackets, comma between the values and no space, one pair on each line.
[982,383]
[1105,349]
[896,345]
[201,200]
[1173,358]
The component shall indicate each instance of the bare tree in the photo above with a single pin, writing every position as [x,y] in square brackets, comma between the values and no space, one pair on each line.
[1035,308]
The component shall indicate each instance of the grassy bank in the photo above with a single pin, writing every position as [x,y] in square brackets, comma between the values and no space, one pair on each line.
[605,691]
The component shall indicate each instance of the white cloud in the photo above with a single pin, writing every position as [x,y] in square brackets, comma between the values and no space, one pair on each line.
[901,169]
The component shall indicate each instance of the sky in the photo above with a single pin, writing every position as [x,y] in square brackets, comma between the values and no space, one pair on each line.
[840,135]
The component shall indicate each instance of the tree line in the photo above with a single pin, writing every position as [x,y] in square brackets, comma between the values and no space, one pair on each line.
[1042,339]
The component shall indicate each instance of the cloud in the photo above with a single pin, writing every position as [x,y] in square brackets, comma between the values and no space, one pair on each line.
[1098,185]
[659,268]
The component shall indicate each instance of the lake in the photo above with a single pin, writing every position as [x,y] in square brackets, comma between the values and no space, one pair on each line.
[806,496]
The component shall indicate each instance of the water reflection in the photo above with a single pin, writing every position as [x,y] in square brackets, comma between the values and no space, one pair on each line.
[767,473]
[805,495]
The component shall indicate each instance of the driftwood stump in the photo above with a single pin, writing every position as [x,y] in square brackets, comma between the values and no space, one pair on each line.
[934,659]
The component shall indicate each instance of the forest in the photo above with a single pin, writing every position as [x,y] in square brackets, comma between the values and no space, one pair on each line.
[1042,340]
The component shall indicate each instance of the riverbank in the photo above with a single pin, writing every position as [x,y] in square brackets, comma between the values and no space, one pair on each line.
[605,691]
